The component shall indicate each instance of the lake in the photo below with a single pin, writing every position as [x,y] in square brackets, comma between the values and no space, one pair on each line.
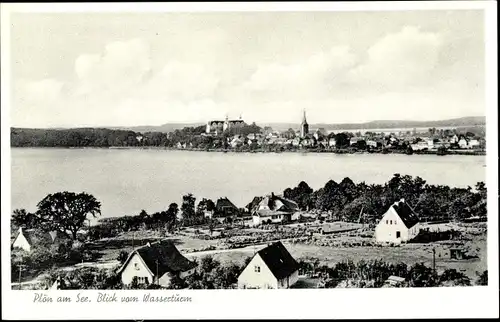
[128,180]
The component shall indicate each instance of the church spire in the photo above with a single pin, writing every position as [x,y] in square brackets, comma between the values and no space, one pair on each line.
[304,127]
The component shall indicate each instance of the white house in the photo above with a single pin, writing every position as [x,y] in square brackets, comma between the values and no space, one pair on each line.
[473,144]
[371,143]
[462,143]
[398,224]
[155,263]
[332,142]
[394,281]
[266,216]
[273,209]
[270,268]
[236,142]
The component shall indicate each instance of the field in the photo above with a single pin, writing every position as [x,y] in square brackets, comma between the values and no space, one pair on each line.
[407,253]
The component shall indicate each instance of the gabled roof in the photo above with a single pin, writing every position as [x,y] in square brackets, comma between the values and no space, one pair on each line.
[407,215]
[224,203]
[278,260]
[161,257]
[271,201]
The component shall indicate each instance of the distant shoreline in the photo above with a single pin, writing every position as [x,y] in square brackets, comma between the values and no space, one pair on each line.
[336,151]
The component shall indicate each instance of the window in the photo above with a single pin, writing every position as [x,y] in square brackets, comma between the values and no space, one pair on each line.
[387,222]
[398,234]
[136,266]
[391,222]
[257,269]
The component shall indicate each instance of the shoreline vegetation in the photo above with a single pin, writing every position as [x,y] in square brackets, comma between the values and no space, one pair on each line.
[251,138]
[263,150]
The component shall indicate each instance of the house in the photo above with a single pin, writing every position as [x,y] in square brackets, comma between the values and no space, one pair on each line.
[225,209]
[270,268]
[353,140]
[398,224]
[308,141]
[462,143]
[474,144]
[332,142]
[371,143]
[266,216]
[394,281]
[236,142]
[155,263]
[318,134]
[296,141]
[26,239]
[273,209]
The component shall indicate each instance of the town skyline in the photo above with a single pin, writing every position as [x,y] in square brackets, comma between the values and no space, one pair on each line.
[125,70]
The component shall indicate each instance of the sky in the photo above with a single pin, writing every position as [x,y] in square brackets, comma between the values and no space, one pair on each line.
[117,69]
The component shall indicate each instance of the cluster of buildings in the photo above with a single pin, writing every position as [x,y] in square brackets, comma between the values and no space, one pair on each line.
[305,138]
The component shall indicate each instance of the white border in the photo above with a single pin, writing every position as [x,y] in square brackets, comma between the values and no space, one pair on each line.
[471,302]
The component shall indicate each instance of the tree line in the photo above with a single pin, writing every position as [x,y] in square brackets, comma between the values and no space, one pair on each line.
[353,202]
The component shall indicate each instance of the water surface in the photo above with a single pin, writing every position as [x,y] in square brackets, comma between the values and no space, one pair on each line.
[128,180]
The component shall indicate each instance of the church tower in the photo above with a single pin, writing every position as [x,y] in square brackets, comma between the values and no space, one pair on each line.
[304,127]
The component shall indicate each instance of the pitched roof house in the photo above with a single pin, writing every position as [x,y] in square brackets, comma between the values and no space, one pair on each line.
[270,268]
[225,208]
[155,263]
[273,208]
[28,238]
[399,224]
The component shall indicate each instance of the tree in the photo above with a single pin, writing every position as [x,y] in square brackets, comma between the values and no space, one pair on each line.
[208,264]
[422,276]
[22,218]
[205,205]
[342,140]
[172,211]
[300,194]
[454,277]
[483,278]
[188,207]
[67,211]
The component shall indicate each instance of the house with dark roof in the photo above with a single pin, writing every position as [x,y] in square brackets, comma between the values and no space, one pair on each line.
[26,239]
[273,209]
[270,268]
[224,208]
[399,224]
[155,263]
